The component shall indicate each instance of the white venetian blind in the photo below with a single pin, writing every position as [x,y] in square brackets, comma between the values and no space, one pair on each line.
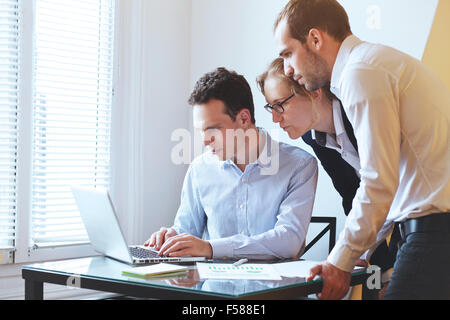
[9,64]
[73,70]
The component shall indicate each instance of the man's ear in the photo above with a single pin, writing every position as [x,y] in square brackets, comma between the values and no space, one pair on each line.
[244,117]
[315,39]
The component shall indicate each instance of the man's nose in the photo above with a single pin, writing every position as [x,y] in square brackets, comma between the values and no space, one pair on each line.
[288,70]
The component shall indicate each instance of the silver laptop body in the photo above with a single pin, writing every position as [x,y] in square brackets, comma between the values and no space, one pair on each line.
[100,220]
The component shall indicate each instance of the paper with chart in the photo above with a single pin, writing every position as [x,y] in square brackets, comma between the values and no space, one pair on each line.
[295,269]
[246,271]
[300,268]
[292,269]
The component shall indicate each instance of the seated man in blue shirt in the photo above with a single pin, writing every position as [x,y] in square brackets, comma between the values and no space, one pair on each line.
[248,195]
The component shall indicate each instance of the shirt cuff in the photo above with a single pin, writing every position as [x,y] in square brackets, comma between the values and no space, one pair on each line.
[221,248]
[343,257]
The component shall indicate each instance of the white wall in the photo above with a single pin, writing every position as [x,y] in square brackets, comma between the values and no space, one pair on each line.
[402,24]
[168,69]
[237,34]
[153,51]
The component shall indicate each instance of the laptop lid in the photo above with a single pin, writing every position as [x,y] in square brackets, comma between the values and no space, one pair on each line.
[100,220]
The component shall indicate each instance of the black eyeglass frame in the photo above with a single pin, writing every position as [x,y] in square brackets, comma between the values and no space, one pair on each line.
[278,107]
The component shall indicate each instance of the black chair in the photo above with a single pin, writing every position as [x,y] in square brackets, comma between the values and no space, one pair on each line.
[331,226]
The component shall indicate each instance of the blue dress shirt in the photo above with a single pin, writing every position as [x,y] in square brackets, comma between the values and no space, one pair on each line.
[256,214]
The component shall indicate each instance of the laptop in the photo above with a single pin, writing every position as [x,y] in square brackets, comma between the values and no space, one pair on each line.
[100,220]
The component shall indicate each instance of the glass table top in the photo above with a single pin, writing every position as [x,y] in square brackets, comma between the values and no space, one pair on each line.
[109,269]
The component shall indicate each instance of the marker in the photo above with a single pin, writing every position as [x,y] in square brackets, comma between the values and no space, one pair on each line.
[238,263]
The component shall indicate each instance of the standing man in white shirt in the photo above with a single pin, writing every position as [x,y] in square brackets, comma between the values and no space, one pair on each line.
[400,112]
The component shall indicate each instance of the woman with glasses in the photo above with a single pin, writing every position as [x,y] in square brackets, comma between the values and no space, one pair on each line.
[295,109]
[318,117]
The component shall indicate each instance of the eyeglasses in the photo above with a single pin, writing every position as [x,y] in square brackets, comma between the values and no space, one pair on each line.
[278,107]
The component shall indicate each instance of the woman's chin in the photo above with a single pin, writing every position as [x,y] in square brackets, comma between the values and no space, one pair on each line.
[294,134]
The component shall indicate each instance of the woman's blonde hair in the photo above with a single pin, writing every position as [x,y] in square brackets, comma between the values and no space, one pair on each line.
[276,69]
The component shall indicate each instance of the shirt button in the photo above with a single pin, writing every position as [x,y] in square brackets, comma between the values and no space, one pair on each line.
[244,180]
[241,206]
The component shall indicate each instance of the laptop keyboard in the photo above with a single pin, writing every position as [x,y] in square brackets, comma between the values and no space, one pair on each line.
[142,253]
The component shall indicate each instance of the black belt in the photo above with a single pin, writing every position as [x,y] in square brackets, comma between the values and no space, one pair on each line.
[436,223]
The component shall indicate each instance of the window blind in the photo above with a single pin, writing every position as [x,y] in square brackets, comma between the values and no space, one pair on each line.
[73,70]
[9,64]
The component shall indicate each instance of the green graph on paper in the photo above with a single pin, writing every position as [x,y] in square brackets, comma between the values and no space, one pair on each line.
[240,269]
[245,271]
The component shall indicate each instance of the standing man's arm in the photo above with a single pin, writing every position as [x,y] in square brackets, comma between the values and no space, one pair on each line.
[370,99]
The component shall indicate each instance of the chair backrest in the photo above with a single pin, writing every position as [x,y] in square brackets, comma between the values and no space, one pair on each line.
[331,226]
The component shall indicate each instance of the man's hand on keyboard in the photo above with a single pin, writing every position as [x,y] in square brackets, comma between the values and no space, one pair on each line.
[185,244]
[158,238]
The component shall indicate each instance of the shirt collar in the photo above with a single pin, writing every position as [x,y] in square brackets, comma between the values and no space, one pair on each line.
[320,137]
[337,118]
[265,156]
[341,60]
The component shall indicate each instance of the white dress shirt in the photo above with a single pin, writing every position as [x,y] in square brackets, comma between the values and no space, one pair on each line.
[400,112]
[339,141]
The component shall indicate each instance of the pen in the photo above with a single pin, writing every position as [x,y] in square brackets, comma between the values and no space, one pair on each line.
[238,263]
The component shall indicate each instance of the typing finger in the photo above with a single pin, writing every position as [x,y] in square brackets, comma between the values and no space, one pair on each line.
[179,245]
[182,252]
[160,238]
[151,241]
[171,242]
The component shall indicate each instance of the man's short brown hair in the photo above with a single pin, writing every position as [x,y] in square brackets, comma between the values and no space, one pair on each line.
[326,15]
[229,87]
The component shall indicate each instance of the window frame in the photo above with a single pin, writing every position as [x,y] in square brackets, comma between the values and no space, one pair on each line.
[10,120]
[24,252]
